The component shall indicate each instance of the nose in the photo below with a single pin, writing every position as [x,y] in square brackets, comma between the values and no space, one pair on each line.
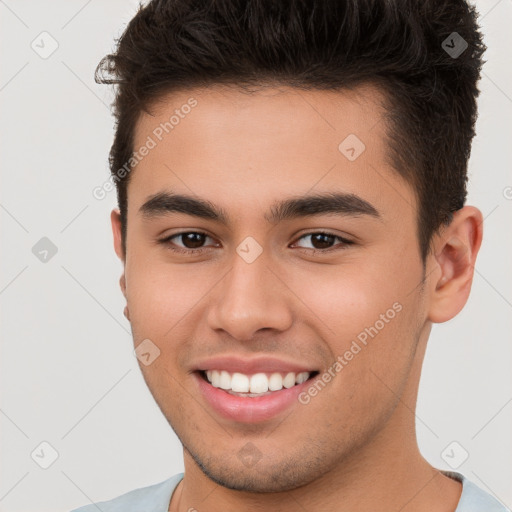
[250,298]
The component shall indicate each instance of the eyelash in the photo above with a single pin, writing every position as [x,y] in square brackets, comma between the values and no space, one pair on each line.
[167,242]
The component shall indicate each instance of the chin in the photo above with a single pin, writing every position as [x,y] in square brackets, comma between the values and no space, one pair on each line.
[264,476]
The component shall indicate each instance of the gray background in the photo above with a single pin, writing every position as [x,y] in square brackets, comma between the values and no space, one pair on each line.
[68,374]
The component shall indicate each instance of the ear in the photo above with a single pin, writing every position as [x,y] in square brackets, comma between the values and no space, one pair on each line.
[115,218]
[455,249]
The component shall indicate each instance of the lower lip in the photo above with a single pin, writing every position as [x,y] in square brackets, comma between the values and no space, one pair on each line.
[247,409]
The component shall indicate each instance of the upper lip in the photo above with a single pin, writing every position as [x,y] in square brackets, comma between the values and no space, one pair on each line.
[255,364]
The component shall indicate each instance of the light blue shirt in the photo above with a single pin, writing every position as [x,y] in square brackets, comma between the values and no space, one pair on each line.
[157,497]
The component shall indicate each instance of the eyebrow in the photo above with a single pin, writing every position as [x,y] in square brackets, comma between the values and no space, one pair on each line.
[164,203]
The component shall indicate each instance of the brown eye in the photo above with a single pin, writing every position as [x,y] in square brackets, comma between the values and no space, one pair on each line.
[192,240]
[187,242]
[324,242]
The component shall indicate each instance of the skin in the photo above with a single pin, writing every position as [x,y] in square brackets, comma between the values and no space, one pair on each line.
[353,447]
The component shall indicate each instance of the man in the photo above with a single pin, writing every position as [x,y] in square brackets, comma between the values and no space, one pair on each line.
[291,182]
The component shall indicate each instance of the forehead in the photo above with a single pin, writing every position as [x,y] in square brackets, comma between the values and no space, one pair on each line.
[268,110]
[235,147]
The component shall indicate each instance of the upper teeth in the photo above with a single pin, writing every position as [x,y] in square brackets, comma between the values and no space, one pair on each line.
[257,383]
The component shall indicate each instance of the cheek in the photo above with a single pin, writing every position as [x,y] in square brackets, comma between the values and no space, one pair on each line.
[369,331]
[368,321]
[160,295]
[168,389]
[344,300]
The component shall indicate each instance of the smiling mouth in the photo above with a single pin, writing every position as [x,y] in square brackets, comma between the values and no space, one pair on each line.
[254,385]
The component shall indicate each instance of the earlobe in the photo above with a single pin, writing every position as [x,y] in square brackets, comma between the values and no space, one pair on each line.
[455,252]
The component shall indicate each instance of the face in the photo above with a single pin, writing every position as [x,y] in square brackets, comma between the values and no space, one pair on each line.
[293,256]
